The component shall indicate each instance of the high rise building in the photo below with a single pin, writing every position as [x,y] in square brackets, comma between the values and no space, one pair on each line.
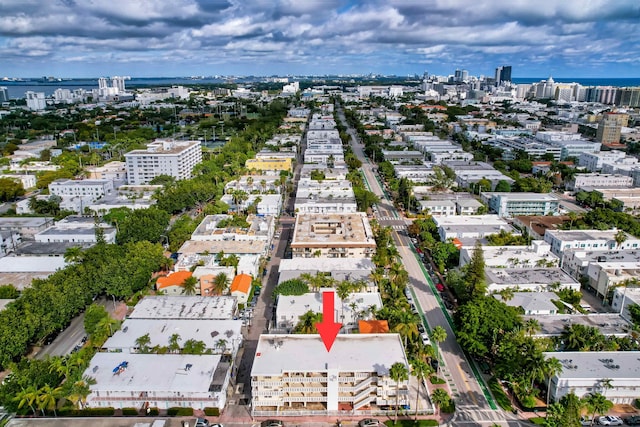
[173,158]
[610,127]
[35,100]
[503,74]
[4,94]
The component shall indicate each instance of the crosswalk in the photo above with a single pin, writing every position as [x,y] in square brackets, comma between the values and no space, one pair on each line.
[399,227]
[388,218]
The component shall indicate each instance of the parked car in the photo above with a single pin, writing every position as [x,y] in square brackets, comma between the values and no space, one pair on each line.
[425,339]
[369,422]
[272,423]
[201,422]
[586,421]
[633,420]
[610,420]
[440,287]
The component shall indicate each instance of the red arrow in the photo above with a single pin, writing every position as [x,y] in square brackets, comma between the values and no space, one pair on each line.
[328,329]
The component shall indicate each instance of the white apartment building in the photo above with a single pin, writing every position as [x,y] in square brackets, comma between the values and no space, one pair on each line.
[470,226]
[589,240]
[326,196]
[355,307]
[215,227]
[537,255]
[76,229]
[583,373]
[597,180]
[114,171]
[414,173]
[339,269]
[593,161]
[158,380]
[528,279]
[293,373]
[163,157]
[346,235]
[514,204]
[438,207]
[36,101]
[185,307]
[623,298]
[94,188]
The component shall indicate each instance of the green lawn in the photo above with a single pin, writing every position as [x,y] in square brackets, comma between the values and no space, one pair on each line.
[501,397]
[412,423]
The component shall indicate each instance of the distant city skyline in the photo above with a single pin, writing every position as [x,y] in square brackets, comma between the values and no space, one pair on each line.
[76,38]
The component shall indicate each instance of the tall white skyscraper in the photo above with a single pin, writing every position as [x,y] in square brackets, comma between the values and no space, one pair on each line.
[35,100]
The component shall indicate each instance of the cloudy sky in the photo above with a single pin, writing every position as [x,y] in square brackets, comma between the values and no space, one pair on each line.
[89,38]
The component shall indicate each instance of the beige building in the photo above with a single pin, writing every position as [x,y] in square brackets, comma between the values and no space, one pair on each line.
[610,127]
[293,373]
[346,235]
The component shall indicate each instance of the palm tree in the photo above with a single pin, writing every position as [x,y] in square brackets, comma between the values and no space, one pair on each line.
[174,343]
[421,370]
[263,184]
[142,343]
[531,326]
[307,323]
[27,396]
[598,404]
[440,398]
[506,294]
[239,196]
[80,390]
[74,255]
[398,373]
[104,329]
[620,238]
[60,365]
[220,284]
[189,285]
[606,384]
[438,334]
[222,345]
[48,397]
[343,291]
[552,367]
[405,323]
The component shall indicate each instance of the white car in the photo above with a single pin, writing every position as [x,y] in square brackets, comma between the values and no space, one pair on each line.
[425,339]
[610,420]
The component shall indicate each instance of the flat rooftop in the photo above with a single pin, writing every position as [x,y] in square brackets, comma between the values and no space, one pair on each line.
[539,197]
[159,148]
[31,264]
[571,235]
[276,354]
[30,247]
[322,230]
[469,220]
[185,307]
[227,246]
[160,330]
[598,364]
[326,264]
[607,324]
[617,257]
[15,222]
[527,276]
[257,225]
[531,301]
[152,372]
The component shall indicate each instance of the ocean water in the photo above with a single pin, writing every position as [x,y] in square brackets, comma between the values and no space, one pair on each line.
[17,89]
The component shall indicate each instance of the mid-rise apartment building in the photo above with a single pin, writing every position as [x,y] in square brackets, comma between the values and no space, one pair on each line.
[513,204]
[346,235]
[163,157]
[293,373]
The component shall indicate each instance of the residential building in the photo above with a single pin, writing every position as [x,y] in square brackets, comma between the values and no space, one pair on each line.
[27,227]
[438,207]
[373,327]
[333,235]
[403,156]
[561,240]
[269,164]
[593,161]
[536,226]
[467,206]
[470,227]
[324,196]
[554,325]
[356,306]
[218,336]
[163,157]
[415,173]
[185,307]
[158,380]
[114,171]
[27,181]
[623,298]
[241,288]
[513,204]
[538,254]
[36,101]
[216,228]
[528,279]
[80,229]
[603,276]
[339,269]
[353,376]
[610,127]
[265,204]
[576,261]
[94,188]
[532,303]
[173,284]
[597,180]
[615,374]
[21,270]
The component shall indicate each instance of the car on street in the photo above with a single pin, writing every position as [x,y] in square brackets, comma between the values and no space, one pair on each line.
[271,423]
[440,287]
[425,339]
[610,420]
[633,420]
[201,422]
[369,422]
[586,421]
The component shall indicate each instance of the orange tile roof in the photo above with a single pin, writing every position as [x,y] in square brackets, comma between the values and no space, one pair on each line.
[241,283]
[373,326]
[174,279]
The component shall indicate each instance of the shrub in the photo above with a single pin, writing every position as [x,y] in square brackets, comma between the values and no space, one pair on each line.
[502,399]
[449,408]
[212,412]
[153,412]
[88,412]
[180,412]
[130,412]
[436,380]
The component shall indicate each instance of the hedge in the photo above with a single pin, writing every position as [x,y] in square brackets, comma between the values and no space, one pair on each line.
[212,412]
[87,412]
[130,411]
[180,412]
[153,412]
